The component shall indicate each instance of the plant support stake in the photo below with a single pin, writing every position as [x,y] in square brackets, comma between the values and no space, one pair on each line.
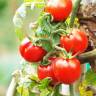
[72,19]
[74,12]
[12,88]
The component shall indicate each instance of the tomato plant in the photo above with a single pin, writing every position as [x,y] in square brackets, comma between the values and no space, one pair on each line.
[30,52]
[59,9]
[60,38]
[67,71]
[75,42]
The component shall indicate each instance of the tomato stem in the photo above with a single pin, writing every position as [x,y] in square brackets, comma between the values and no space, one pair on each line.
[74,12]
[72,90]
[63,50]
[45,59]
[62,31]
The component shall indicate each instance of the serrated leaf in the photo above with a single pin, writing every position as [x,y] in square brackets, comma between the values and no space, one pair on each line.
[90,77]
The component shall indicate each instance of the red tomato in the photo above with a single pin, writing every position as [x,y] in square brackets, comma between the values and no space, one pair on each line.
[31,53]
[46,71]
[52,59]
[76,42]
[66,71]
[59,9]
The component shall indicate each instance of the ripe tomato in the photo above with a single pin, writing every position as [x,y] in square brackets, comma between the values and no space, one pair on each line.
[66,71]
[59,9]
[31,53]
[77,42]
[46,71]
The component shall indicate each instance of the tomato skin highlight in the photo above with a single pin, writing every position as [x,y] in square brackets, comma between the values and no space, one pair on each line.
[30,52]
[76,42]
[66,71]
[59,9]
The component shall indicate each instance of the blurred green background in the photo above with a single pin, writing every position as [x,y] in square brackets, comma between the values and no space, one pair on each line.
[9,56]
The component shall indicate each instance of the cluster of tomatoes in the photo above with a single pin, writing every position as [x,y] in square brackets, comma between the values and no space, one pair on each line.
[60,70]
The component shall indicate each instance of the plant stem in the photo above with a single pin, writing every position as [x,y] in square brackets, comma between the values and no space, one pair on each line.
[60,31]
[87,56]
[49,54]
[63,50]
[57,91]
[74,12]
[72,90]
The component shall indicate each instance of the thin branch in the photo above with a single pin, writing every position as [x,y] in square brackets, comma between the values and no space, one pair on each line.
[62,49]
[88,55]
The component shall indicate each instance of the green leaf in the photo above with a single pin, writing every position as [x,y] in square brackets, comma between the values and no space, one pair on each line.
[47,46]
[40,32]
[32,94]
[45,27]
[34,77]
[23,91]
[44,92]
[83,91]
[44,83]
[90,77]
[25,86]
